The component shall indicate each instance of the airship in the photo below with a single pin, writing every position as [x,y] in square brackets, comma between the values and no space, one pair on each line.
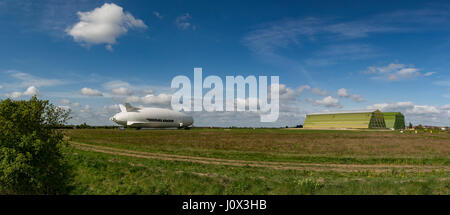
[138,118]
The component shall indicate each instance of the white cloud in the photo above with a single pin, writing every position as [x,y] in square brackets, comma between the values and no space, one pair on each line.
[103,25]
[157,14]
[147,91]
[328,101]
[1,86]
[342,92]
[445,107]
[423,109]
[302,88]
[162,99]
[68,103]
[30,91]
[285,92]
[424,114]
[395,72]
[318,91]
[358,98]
[120,88]
[114,107]
[428,74]
[30,80]
[183,22]
[15,94]
[116,84]
[122,91]
[397,106]
[64,107]
[405,73]
[86,109]
[90,92]
[109,47]
[123,88]
[64,101]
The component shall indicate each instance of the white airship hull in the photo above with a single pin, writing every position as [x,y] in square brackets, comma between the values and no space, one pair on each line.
[151,118]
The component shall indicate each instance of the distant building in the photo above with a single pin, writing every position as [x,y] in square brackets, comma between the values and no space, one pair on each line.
[346,119]
[394,120]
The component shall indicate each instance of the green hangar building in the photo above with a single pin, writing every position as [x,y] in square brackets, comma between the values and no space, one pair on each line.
[394,120]
[346,119]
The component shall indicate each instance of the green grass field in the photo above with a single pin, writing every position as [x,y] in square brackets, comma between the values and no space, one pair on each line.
[259,161]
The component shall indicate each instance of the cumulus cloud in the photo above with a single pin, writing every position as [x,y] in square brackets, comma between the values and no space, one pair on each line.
[116,84]
[26,79]
[69,103]
[395,72]
[445,107]
[15,94]
[328,101]
[342,92]
[358,98]
[30,91]
[119,88]
[90,92]
[162,99]
[183,22]
[147,91]
[64,101]
[406,107]
[114,107]
[103,25]
[285,92]
[122,91]
[423,114]
[397,106]
[303,88]
[318,91]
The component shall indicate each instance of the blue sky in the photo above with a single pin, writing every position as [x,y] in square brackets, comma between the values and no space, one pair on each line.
[329,55]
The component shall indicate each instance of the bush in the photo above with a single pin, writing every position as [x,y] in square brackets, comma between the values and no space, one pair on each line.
[33,156]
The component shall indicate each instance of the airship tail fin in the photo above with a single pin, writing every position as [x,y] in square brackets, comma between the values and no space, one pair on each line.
[128,108]
[122,108]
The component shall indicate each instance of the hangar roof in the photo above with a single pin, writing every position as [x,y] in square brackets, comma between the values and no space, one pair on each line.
[346,111]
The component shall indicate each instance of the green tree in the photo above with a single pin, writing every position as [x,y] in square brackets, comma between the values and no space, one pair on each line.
[410,125]
[33,154]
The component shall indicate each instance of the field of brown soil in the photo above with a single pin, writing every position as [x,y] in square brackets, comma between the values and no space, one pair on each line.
[275,141]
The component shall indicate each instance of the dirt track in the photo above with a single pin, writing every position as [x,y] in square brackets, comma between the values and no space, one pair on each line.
[264,164]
